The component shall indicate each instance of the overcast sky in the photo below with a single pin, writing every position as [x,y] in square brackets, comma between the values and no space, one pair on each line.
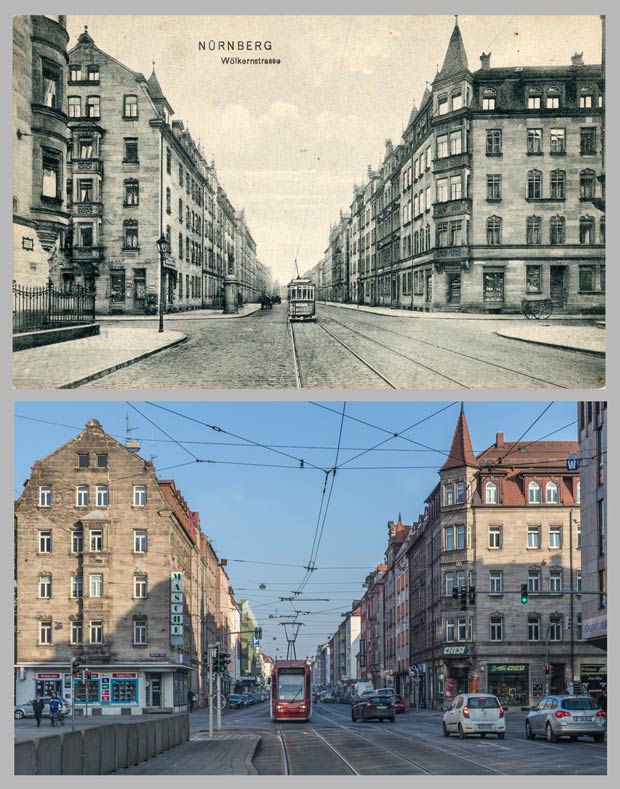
[290,140]
[258,507]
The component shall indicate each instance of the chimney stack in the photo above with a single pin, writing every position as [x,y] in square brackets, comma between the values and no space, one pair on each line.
[485,61]
[499,440]
[577,59]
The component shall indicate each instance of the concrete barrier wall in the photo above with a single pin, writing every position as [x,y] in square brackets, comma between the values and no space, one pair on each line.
[72,753]
[49,755]
[91,751]
[102,749]
[36,339]
[108,749]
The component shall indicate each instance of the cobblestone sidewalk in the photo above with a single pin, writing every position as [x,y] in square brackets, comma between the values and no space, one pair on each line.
[67,364]
[588,339]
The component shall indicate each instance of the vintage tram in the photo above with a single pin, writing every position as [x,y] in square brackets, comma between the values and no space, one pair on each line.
[301,300]
[291,691]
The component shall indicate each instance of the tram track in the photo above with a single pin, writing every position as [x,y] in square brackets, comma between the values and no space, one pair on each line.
[297,756]
[438,347]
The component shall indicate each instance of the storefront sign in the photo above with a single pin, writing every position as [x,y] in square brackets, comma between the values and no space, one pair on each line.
[176,603]
[593,668]
[507,668]
[48,676]
[458,650]
[125,674]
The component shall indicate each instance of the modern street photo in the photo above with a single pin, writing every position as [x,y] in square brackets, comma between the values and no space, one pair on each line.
[311,588]
[342,202]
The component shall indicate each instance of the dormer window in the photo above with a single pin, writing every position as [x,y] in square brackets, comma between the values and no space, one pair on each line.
[490,493]
[534,493]
[586,98]
[552,493]
[553,99]
[534,99]
[93,73]
[489,96]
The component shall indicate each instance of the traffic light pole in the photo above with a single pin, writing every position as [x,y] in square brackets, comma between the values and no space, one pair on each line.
[210,693]
[218,705]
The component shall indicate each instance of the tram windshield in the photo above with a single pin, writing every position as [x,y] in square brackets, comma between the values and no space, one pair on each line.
[291,684]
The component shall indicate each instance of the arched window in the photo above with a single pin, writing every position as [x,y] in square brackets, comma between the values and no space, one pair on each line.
[586,230]
[558,184]
[490,493]
[534,185]
[534,99]
[587,184]
[494,230]
[557,230]
[552,493]
[534,493]
[553,98]
[586,98]
[534,230]
[489,95]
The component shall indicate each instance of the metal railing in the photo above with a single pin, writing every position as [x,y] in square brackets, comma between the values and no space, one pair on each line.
[45,307]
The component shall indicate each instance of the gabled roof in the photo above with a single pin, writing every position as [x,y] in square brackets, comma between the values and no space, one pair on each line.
[461,451]
[455,61]
[549,454]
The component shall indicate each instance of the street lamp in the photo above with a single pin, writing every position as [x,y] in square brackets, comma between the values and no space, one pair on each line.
[163,247]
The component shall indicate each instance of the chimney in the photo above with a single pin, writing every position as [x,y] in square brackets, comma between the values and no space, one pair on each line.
[577,59]
[485,60]
[388,146]
[499,440]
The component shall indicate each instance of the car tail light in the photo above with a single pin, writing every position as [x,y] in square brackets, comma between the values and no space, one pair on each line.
[367,704]
[466,712]
[501,712]
[601,714]
[562,714]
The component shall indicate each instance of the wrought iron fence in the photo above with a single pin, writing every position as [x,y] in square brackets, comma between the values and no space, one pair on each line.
[45,307]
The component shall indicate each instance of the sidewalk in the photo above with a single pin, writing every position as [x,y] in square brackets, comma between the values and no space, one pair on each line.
[66,365]
[188,315]
[226,753]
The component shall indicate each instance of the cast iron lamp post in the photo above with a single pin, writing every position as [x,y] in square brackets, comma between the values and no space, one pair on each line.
[162,246]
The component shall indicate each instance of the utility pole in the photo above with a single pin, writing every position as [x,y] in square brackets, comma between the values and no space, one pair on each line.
[218,705]
[211,652]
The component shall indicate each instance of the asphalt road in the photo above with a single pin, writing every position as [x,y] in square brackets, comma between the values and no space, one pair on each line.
[346,349]
[331,744]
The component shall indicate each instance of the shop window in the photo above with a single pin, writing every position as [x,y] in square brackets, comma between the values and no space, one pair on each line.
[125,691]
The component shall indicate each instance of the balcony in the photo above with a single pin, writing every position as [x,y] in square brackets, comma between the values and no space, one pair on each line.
[88,166]
[87,209]
[87,254]
[451,162]
[451,208]
[460,251]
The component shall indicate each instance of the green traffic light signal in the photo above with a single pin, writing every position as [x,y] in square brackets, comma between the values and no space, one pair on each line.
[524,593]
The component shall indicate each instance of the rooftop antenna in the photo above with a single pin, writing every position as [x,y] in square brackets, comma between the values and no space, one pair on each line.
[131,444]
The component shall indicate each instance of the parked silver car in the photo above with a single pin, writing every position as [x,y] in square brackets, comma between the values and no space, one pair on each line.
[566,716]
[25,710]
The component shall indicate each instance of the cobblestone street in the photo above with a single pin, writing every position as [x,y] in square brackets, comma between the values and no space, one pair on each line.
[398,352]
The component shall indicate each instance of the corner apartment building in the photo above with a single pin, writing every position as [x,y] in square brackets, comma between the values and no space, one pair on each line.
[111,571]
[592,420]
[497,520]
[501,187]
[40,144]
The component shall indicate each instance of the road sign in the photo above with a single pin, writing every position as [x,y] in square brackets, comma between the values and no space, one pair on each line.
[255,642]
[572,463]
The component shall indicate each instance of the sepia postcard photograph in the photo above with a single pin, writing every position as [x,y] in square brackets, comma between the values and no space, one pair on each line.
[330,202]
[311,589]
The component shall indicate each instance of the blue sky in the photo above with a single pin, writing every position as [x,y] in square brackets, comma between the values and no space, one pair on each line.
[266,513]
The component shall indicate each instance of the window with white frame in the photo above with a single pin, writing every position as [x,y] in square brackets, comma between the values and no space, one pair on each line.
[140,586]
[553,98]
[77,586]
[456,144]
[533,628]
[495,582]
[460,492]
[45,586]
[533,537]
[139,495]
[45,496]
[449,584]
[555,581]
[95,631]
[442,146]
[77,541]
[448,494]
[460,537]
[81,496]
[534,99]
[490,493]
[102,496]
[555,536]
[95,585]
[495,537]
[460,579]
[461,628]
[77,632]
[533,581]
[449,629]
[45,632]
[442,105]
[96,540]
[534,493]
[45,542]
[139,541]
[457,101]
[555,628]
[552,493]
[496,628]
[140,635]
[488,98]
[442,190]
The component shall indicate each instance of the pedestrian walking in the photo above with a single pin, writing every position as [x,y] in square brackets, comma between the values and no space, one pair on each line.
[603,700]
[37,706]
[55,705]
[190,700]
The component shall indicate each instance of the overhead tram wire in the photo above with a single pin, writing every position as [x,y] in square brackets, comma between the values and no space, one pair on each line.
[538,418]
[161,429]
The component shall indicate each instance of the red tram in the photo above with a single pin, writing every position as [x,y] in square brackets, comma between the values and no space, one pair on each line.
[291,691]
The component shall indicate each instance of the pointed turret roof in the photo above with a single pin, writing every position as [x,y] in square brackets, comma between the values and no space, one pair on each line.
[426,96]
[414,112]
[461,451]
[85,37]
[455,60]
[154,87]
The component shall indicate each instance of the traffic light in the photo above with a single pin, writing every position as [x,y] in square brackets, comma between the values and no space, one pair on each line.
[524,593]
[215,660]
[472,595]
[455,593]
[258,633]
[463,598]
[75,668]
[224,660]
[547,669]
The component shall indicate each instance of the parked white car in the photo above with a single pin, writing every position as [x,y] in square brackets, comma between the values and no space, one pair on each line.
[475,713]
